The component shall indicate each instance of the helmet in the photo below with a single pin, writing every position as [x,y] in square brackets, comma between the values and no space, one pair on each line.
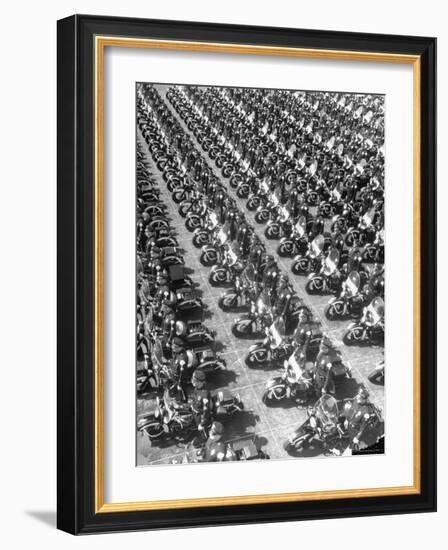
[198,378]
[362,395]
[216,430]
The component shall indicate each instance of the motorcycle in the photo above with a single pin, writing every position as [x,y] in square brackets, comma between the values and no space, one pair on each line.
[350,303]
[253,324]
[297,242]
[312,259]
[370,329]
[211,253]
[294,382]
[328,278]
[273,349]
[225,404]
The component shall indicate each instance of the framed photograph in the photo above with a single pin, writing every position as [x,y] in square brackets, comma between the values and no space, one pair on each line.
[246,244]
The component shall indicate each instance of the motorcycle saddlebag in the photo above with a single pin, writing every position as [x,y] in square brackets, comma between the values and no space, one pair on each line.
[176,272]
[224,397]
[246,448]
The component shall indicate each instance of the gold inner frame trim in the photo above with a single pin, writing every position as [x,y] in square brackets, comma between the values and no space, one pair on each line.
[101,42]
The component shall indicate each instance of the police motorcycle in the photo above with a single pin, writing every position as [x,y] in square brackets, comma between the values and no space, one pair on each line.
[193,332]
[270,208]
[253,324]
[244,291]
[328,278]
[323,428]
[369,330]
[273,349]
[204,235]
[350,302]
[162,238]
[312,259]
[295,381]
[297,241]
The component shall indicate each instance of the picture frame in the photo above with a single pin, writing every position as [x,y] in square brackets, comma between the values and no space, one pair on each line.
[82,42]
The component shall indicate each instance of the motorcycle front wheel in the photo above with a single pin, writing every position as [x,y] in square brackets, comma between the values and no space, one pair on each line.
[218,277]
[200,239]
[315,285]
[272,396]
[257,358]
[353,336]
[334,311]
[228,302]
[300,266]
[285,249]
[242,328]
[193,223]
[272,231]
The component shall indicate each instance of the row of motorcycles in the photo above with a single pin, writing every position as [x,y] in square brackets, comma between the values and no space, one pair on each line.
[332,233]
[238,260]
[173,344]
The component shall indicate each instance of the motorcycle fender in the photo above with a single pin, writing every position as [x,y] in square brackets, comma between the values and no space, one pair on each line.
[298,257]
[311,276]
[255,347]
[332,300]
[351,325]
[273,382]
[283,239]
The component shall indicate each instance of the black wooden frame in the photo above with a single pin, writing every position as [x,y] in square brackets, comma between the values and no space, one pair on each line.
[76,270]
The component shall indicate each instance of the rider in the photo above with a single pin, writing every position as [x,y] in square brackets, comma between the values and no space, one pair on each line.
[358,415]
[201,402]
[323,372]
[215,450]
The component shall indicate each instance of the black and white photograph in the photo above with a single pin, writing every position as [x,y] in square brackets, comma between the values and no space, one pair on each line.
[260,273]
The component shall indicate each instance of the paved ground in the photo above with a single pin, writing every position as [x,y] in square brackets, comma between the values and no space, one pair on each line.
[270,425]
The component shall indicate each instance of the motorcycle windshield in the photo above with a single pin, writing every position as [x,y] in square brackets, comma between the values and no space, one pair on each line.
[327,411]
[264,303]
[317,245]
[277,331]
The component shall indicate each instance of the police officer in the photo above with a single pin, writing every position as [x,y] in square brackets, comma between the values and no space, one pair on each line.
[201,402]
[215,450]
